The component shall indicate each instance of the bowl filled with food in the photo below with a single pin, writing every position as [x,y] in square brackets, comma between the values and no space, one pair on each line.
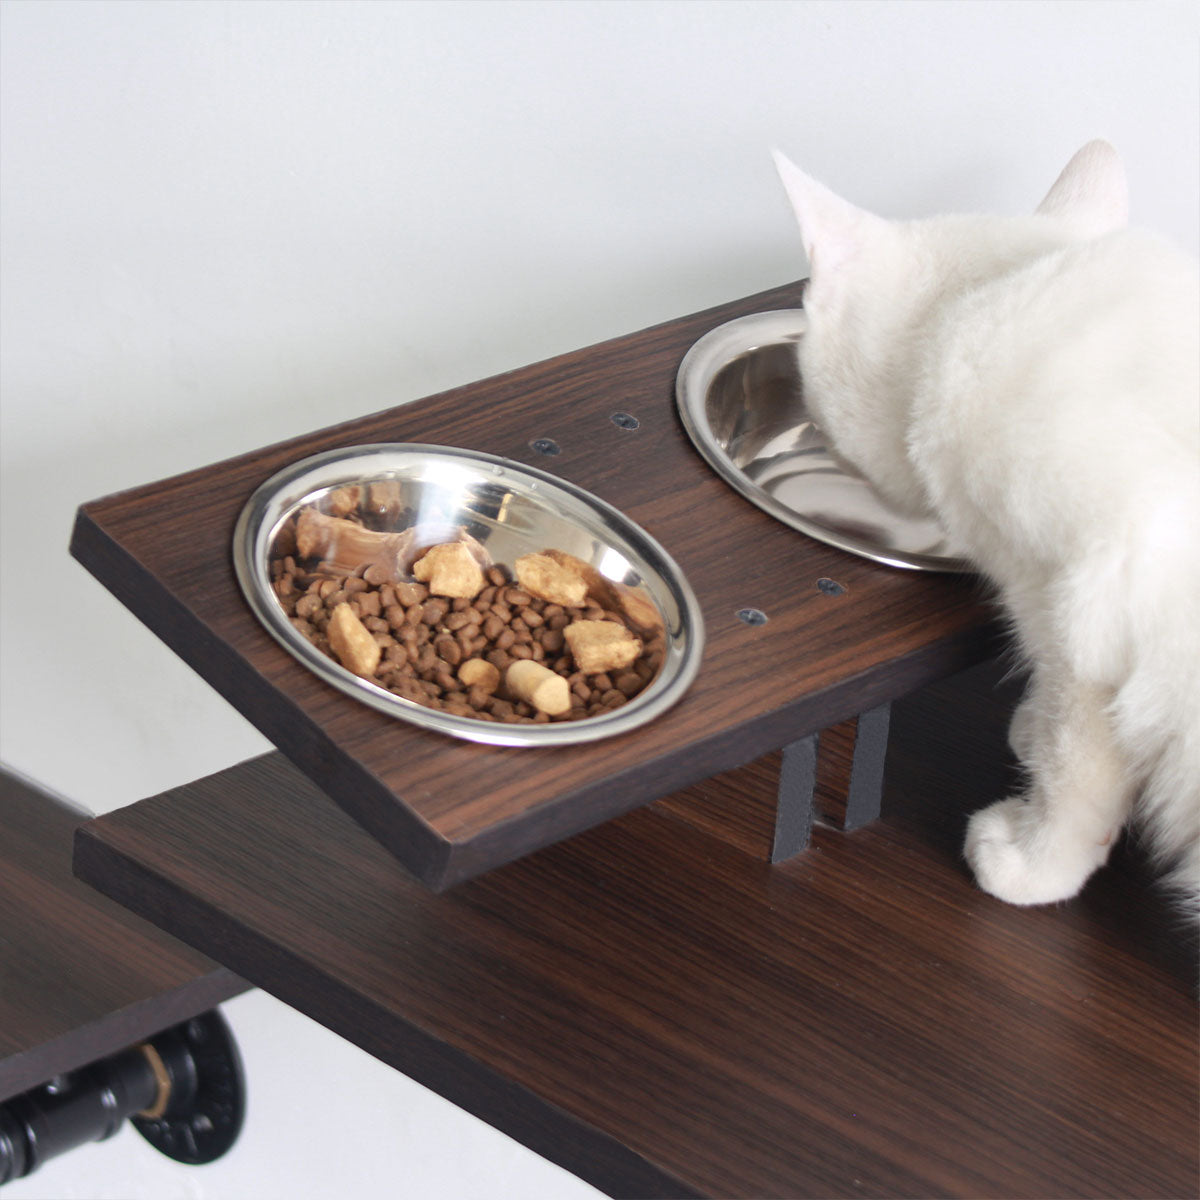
[468,594]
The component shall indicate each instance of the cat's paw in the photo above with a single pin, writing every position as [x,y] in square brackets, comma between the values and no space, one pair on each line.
[1015,858]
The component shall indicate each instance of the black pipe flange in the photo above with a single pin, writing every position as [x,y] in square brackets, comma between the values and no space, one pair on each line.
[201,1115]
[183,1090]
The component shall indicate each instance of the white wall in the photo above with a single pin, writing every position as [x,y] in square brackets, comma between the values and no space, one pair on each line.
[228,223]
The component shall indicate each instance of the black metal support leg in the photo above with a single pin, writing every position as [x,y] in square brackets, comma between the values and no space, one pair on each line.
[794,800]
[796,797]
[865,794]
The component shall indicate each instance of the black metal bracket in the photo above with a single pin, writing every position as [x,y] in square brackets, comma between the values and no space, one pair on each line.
[183,1090]
[796,797]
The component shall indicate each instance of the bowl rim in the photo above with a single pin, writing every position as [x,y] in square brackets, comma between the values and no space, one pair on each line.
[711,353]
[279,495]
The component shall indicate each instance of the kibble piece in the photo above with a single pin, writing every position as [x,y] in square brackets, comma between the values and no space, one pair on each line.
[448,649]
[599,646]
[539,686]
[307,605]
[629,683]
[450,570]
[540,575]
[408,594]
[377,574]
[285,539]
[479,673]
[432,612]
[352,642]
[385,498]
[342,501]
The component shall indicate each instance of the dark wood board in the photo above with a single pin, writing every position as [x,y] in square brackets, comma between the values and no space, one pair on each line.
[450,809]
[80,977]
[666,1015]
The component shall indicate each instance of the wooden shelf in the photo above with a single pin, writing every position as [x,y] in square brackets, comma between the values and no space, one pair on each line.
[80,977]
[450,809]
[666,1015]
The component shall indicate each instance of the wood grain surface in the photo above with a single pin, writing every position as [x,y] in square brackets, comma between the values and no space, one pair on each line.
[451,809]
[80,977]
[667,1015]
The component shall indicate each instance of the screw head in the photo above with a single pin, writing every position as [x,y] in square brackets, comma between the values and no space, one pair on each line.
[625,421]
[752,616]
[547,446]
[830,587]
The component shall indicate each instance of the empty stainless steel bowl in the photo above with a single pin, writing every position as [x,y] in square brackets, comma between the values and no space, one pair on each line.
[511,510]
[741,400]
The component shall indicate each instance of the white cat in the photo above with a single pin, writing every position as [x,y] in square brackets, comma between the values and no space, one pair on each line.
[1034,383]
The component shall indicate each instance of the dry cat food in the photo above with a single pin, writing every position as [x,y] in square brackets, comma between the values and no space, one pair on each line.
[431,618]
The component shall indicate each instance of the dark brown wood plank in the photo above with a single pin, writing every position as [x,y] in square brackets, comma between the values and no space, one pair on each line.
[450,809]
[736,806]
[80,977]
[667,1015]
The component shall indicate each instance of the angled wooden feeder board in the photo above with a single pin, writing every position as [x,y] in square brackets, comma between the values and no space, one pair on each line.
[448,809]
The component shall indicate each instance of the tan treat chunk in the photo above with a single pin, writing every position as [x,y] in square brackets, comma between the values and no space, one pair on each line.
[352,642]
[450,570]
[599,646]
[478,672]
[344,500]
[616,597]
[599,589]
[537,685]
[542,576]
[639,611]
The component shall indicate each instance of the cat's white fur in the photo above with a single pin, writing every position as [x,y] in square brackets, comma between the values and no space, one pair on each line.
[1034,383]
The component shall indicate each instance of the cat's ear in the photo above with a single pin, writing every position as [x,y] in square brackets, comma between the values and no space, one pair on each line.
[831,229]
[1091,193]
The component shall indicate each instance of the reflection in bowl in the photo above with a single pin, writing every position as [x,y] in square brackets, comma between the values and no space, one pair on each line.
[741,400]
[351,526]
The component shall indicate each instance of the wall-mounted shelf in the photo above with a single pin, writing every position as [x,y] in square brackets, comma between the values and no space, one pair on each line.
[80,977]
[665,1014]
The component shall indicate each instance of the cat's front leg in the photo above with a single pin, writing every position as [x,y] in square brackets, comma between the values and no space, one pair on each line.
[1022,727]
[1042,847]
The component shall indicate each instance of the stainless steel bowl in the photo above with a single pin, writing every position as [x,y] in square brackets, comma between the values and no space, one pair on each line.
[512,510]
[742,402]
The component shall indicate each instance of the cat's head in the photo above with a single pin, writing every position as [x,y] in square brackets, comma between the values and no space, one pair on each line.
[871,282]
